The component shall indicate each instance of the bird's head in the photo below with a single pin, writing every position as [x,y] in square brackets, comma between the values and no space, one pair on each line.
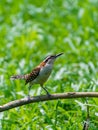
[50,59]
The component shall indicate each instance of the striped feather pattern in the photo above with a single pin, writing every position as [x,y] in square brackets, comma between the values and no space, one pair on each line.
[32,75]
[18,77]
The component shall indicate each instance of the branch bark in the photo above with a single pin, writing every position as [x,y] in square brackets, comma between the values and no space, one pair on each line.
[27,100]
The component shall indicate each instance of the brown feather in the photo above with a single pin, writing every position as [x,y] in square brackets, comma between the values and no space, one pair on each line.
[42,64]
[32,75]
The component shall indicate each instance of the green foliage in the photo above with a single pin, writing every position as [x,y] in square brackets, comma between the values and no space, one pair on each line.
[31,30]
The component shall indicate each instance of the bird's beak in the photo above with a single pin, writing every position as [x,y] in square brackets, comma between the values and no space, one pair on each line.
[58,55]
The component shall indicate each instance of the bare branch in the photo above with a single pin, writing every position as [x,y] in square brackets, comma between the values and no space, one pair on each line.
[27,100]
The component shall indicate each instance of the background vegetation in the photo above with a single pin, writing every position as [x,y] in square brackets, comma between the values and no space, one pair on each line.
[29,31]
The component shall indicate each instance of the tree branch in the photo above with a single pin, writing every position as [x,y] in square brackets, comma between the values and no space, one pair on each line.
[27,100]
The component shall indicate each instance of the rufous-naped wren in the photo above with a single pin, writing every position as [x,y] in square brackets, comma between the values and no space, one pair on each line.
[40,74]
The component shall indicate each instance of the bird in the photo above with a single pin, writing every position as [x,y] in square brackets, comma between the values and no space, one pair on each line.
[40,74]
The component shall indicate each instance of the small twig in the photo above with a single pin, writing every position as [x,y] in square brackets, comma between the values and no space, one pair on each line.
[56,112]
[27,100]
[86,123]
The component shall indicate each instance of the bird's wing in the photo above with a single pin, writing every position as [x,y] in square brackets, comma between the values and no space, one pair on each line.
[30,77]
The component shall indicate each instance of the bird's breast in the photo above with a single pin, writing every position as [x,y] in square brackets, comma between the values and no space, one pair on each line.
[44,74]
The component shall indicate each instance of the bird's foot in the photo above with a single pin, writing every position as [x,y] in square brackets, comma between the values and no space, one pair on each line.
[28,97]
[48,94]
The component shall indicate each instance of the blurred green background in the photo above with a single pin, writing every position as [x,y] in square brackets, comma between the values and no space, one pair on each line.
[29,31]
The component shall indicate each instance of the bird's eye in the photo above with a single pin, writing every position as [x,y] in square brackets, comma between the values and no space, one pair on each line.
[46,60]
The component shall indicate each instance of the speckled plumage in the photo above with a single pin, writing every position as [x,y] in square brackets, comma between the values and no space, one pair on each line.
[32,75]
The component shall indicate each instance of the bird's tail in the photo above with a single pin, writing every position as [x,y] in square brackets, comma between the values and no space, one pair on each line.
[18,77]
